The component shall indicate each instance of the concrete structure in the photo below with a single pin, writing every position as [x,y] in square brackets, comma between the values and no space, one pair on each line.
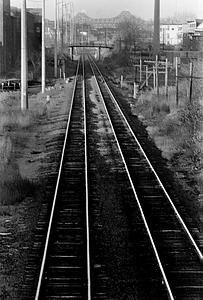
[187,36]
[4,16]
[193,35]
[190,26]
[5,35]
[10,35]
[171,34]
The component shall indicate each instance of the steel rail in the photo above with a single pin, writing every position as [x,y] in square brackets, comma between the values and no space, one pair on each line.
[169,291]
[189,235]
[56,191]
[86,185]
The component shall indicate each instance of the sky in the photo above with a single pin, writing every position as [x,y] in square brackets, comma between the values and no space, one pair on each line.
[111,8]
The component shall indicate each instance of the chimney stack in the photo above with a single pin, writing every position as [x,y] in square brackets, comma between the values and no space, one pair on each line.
[156,37]
[199,9]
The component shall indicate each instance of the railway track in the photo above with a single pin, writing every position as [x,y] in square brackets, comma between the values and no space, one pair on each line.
[65,263]
[164,261]
[178,255]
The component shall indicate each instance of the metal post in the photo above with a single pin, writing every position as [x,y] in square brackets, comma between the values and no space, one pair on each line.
[66,23]
[55,42]
[120,44]
[140,70]
[62,28]
[157,76]
[154,78]
[64,68]
[71,17]
[24,65]
[166,78]
[43,48]
[177,100]
[99,53]
[135,73]
[191,81]
[88,34]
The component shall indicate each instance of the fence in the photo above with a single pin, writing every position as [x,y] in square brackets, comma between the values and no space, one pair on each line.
[156,73]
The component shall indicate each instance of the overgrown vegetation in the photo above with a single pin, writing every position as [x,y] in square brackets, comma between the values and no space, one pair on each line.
[121,59]
[177,131]
[15,129]
[14,132]
[181,125]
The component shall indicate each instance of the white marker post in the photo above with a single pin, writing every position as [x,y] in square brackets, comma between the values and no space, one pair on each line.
[135,90]
[166,78]
[140,70]
[121,81]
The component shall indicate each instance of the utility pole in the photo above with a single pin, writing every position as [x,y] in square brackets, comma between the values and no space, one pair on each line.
[166,78]
[140,70]
[66,22]
[43,48]
[24,65]
[72,28]
[191,81]
[62,27]
[157,75]
[177,99]
[55,44]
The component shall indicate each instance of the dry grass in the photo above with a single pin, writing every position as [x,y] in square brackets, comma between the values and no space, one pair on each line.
[180,124]
[163,104]
[14,128]
[178,132]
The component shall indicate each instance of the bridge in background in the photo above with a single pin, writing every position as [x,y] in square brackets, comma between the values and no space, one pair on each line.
[89,45]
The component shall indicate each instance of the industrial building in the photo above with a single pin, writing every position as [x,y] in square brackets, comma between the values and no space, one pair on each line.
[187,36]
[171,34]
[10,35]
[6,24]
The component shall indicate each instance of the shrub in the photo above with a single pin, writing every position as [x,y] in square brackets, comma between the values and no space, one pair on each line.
[13,123]
[15,190]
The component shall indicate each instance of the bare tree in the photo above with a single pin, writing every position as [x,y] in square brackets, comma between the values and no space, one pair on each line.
[131,32]
[35,60]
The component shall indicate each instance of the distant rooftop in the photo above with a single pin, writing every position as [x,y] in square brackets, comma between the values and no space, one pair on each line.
[200,27]
[124,15]
[35,11]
